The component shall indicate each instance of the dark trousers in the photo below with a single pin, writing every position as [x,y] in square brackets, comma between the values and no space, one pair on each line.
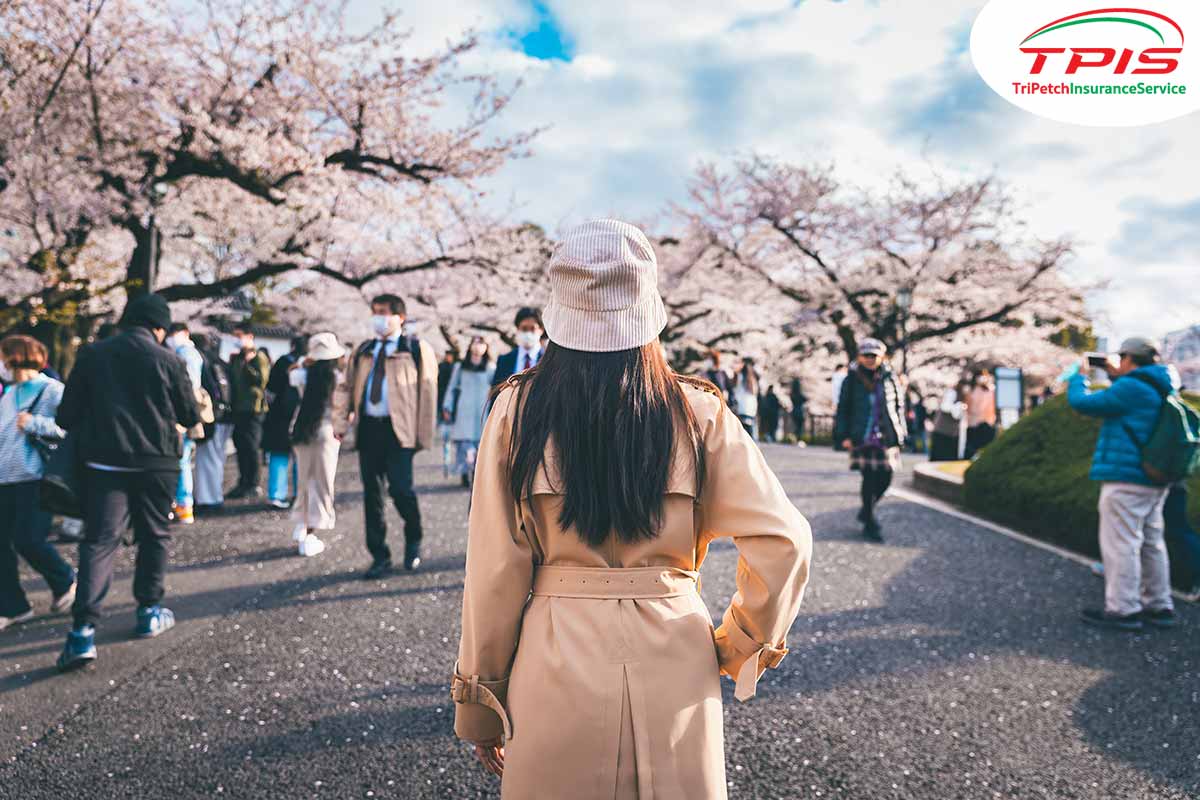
[23,530]
[874,483]
[112,502]
[381,459]
[1183,543]
[247,439]
[798,423]
[978,437]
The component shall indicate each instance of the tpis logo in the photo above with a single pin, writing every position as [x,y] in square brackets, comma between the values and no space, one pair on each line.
[1073,62]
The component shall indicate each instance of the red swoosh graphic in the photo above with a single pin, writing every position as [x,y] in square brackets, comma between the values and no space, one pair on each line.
[1163,17]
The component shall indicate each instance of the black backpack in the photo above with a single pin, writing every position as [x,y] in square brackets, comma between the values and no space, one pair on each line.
[214,379]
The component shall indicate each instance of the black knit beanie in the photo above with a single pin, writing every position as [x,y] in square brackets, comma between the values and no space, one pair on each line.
[147,311]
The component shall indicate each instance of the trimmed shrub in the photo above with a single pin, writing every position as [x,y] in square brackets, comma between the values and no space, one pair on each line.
[1034,478]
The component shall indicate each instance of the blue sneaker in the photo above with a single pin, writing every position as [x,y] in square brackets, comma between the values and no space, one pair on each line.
[153,620]
[79,650]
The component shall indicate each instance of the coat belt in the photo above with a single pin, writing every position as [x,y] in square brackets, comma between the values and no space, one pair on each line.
[613,582]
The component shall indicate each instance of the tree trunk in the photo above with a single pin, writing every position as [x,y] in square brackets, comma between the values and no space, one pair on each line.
[143,263]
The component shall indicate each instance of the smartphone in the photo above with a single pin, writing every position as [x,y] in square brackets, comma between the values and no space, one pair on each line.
[1097,360]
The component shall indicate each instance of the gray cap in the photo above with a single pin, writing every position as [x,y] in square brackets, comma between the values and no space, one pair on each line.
[870,346]
[1139,346]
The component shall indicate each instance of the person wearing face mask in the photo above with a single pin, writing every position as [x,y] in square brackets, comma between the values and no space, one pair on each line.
[123,405]
[249,371]
[390,394]
[26,411]
[315,377]
[277,425]
[464,404]
[179,339]
[869,423]
[528,351]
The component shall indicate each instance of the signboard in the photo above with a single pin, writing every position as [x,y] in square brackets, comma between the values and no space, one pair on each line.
[1010,395]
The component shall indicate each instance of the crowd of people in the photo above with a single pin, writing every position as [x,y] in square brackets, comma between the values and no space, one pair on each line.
[139,432]
[151,426]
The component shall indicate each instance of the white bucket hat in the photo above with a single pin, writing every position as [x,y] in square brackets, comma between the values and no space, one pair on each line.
[604,289]
[324,347]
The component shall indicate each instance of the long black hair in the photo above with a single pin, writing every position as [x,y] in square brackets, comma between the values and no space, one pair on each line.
[615,420]
[318,396]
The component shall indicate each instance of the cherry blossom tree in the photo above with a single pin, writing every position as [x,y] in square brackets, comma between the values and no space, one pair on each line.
[795,240]
[204,147]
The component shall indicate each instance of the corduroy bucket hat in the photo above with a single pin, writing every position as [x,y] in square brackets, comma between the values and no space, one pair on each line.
[324,347]
[604,289]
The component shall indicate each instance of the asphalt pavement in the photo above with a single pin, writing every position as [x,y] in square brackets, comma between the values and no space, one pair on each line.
[947,662]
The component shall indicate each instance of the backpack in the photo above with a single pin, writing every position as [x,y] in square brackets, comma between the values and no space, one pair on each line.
[214,379]
[1172,452]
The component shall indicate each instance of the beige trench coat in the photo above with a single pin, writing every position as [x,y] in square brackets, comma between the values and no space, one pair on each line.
[412,398]
[600,667]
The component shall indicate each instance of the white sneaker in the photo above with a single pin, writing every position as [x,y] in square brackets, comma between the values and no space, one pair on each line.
[311,546]
[6,622]
[62,603]
[300,532]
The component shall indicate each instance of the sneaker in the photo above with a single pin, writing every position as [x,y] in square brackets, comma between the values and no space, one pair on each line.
[153,620]
[311,546]
[871,530]
[63,602]
[300,532]
[19,619]
[242,492]
[377,570]
[464,480]
[412,557]
[79,650]
[1162,618]
[1117,622]
[208,509]
[282,505]
[184,515]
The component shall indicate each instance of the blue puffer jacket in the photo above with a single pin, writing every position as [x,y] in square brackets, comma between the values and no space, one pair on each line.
[1128,406]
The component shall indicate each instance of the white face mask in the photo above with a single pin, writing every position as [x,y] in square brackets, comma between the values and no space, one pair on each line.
[381,324]
[529,339]
[5,373]
[297,377]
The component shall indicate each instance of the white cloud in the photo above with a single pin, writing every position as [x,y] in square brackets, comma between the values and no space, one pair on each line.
[656,86]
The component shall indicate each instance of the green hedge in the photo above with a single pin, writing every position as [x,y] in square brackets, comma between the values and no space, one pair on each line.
[1034,478]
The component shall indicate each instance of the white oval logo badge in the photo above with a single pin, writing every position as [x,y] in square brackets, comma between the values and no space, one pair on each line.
[1073,61]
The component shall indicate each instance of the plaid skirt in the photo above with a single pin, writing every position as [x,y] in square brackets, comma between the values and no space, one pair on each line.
[875,458]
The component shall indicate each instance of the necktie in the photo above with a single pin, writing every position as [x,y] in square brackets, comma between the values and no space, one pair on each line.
[377,374]
[525,365]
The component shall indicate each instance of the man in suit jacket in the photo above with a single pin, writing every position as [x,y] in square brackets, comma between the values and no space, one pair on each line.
[529,348]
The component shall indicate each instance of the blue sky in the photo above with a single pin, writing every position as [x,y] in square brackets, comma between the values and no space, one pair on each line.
[636,93]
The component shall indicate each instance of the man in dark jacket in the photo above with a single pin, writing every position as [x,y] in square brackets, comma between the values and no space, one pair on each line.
[1137,587]
[529,350]
[869,424]
[249,371]
[123,405]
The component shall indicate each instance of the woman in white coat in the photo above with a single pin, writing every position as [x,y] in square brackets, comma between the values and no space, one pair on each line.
[464,404]
[314,442]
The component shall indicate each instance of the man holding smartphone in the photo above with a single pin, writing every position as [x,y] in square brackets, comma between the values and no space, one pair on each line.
[1137,589]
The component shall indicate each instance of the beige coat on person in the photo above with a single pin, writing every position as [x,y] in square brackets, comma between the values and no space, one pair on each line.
[411,397]
[600,667]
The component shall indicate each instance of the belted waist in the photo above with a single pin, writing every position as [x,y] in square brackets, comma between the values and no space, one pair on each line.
[614,582]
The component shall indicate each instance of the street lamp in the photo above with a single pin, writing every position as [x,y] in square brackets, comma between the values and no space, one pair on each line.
[903,301]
